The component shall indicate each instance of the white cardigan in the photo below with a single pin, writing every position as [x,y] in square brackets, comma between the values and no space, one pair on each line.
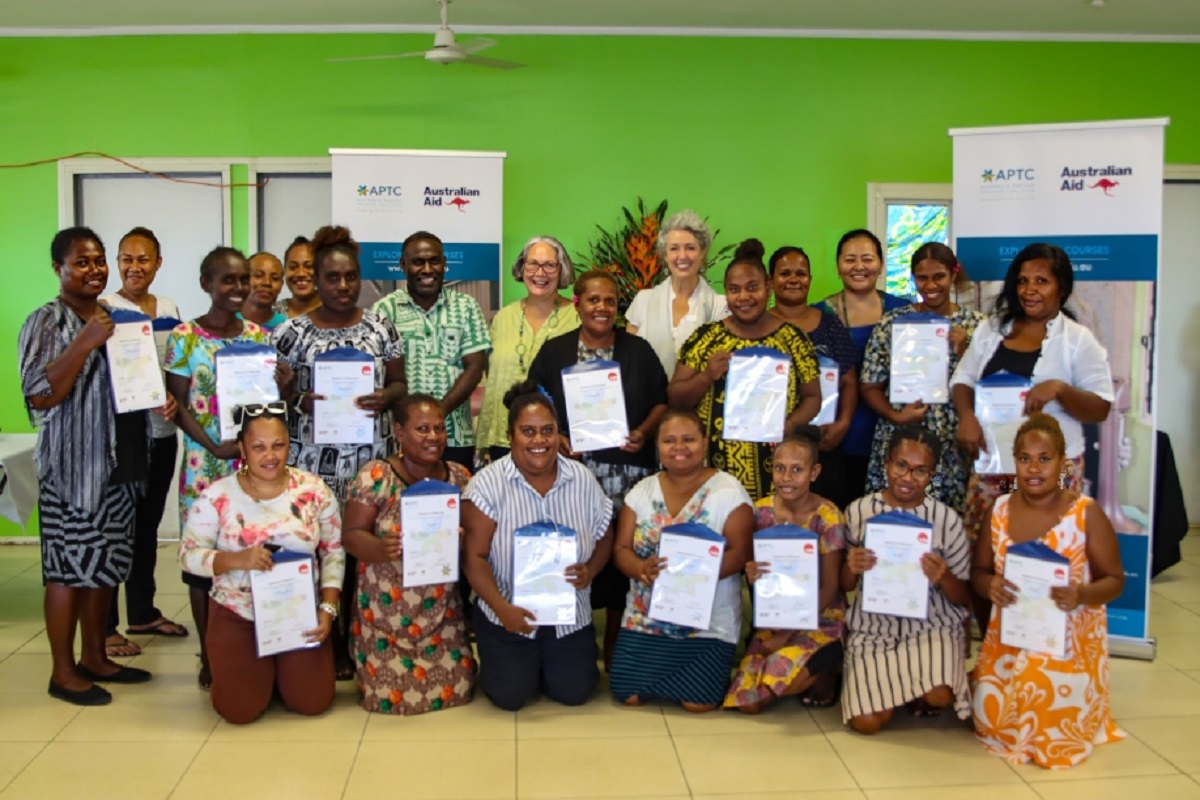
[650,311]
[1070,353]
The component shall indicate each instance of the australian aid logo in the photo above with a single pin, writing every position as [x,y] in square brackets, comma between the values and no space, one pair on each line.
[1101,179]
[457,198]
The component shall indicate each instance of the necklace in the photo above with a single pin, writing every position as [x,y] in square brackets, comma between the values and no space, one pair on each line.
[259,495]
[551,323]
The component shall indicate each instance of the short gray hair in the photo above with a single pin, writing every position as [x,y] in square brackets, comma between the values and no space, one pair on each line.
[566,270]
[686,220]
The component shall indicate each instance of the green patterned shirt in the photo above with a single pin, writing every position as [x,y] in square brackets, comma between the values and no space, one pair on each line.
[435,342]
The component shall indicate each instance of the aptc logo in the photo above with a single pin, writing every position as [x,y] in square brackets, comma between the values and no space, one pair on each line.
[378,191]
[1010,175]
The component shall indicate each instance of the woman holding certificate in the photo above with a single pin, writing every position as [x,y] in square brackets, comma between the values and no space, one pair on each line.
[538,529]
[936,271]
[700,379]
[238,528]
[859,306]
[588,413]
[1045,699]
[191,378]
[906,639]
[410,643]
[665,660]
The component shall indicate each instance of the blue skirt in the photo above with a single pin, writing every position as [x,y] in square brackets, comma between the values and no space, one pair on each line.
[683,670]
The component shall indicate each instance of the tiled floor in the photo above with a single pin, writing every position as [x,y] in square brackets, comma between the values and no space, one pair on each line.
[163,740]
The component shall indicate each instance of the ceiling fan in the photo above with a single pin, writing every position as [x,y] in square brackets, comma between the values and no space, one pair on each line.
[447,51]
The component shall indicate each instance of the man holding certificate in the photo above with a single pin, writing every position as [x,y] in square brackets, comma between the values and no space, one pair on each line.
[896,655]
[610,392]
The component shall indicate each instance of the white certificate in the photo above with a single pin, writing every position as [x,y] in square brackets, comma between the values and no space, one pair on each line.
[429,516]
[133,364]
[245,376]
[1000,409]
[897,585]
[595,403]
[788,597]
[829,392]
[541,554]
[684,591]
[342,378]
[920,359]
[1035,622]
[756,395]
[285,604]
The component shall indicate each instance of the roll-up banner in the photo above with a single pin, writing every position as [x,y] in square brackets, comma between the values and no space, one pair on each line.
[1095,189]
[382,196]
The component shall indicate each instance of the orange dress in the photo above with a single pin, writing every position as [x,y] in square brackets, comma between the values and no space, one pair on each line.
[1030,706]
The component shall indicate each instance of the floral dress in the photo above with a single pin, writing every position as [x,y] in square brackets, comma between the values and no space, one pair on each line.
[190,351]
[1031,706]
[763,675]
[409,645]
[949,482]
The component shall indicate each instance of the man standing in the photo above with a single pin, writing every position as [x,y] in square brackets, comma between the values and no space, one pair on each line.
[446,340]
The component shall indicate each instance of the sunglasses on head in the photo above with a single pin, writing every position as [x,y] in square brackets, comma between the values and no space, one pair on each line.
[277,408]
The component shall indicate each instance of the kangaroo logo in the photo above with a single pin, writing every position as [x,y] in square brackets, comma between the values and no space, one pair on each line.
[1105,184]
[458,203]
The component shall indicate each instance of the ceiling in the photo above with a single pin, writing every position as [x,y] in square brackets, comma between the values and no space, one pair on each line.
[1154,20]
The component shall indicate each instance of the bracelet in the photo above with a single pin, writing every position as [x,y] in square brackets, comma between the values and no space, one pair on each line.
[329,608]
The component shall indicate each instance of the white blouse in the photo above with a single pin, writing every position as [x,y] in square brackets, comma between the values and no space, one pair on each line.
[651,312]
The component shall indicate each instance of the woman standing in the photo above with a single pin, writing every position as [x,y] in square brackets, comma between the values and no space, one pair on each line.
[89,460]
[935,271]
[666,315]
[859,306]
[661,660]
[300,278]
[192,380]
[533,483]
[1031,706]
[518,332]
[410,645]
[266,281]
[644,386]
[791,278]
[699,380]
[138,260]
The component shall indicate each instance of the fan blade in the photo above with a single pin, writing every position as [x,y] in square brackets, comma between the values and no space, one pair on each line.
[377,58]
[475,45]
[480,61]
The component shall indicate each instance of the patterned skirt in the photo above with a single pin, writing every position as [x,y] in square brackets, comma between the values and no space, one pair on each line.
[882,674]
[87,549]
[764,675]
[647,666]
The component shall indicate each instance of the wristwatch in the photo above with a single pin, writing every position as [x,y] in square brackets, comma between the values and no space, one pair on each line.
[329,608]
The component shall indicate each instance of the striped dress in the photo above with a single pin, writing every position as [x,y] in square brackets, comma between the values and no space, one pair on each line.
[891,660]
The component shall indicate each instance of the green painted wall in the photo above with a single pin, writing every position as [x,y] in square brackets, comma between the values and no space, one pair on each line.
[772,138]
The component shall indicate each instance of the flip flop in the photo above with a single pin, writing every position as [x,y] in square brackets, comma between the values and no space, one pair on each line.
[164,627]
[822,696]
[121,647]
[920,708]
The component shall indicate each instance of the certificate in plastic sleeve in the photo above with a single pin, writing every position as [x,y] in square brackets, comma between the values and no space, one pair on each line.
[756,395]
[829,391]
[897,585]
[541,554]
[1034,621]
[429,521]
[1000,409]
[341,376]
[684,591]
[134,367]
[285,603]
[788,597]
[595,402]
[920,359]
[245,376]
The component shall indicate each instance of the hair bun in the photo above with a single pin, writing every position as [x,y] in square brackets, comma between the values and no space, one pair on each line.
[751,249]
[332,235]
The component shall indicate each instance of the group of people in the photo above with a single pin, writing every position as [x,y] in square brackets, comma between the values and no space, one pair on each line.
[414,649]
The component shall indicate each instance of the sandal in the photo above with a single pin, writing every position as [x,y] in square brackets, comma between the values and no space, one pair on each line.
[920,708]
[205,678]
[117,646]
[824,693]
[163,627]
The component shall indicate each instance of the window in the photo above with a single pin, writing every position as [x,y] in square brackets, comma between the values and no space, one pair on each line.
[904,217]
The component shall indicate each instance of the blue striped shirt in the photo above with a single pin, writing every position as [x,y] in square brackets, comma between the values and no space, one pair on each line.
[575,501]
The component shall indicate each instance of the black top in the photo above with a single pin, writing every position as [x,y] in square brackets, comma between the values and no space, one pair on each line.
[1013,361]
[643,382]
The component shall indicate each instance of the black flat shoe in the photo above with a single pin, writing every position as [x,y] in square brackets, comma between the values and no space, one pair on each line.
[95,696]
[123,675]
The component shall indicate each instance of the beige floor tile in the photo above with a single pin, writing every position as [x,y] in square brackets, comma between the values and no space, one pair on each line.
[1194,674]
[478,720]
[600,718]
[33,717]
[1180,650]
[22,672]
[173,672]
[1176,588]
[99,770]
[787,718]
[15,635]
[998,791]
[343,722]
[1168,787]
[830,794]
[893,759]
[1123,759]
[14,756]
[562,768]
[1154,694]
[1184,569]
[1173,738]
[428,770]
[795,760]
[1138,665]
[148,717]
[309,770]
[1167,618]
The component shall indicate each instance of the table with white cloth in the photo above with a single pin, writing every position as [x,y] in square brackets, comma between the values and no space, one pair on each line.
[18,477]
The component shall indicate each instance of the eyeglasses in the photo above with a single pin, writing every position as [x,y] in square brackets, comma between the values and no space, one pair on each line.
[534,267]
[901,468]
[277,408]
